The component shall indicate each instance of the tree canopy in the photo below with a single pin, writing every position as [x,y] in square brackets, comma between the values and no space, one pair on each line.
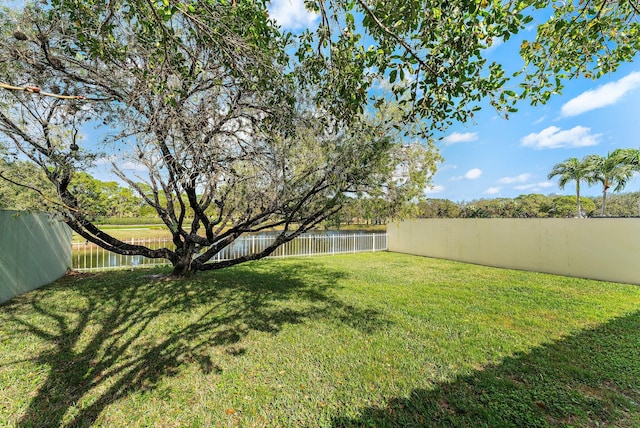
[572,169]
[239,125]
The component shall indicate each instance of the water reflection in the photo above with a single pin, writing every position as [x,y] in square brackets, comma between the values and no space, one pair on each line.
[88,256]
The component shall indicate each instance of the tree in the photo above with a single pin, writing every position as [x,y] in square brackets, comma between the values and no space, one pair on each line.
[98,199]
[246,126]
[227,134]
[433,51]
[631,158]
[564,206]
[95,197]
[438,208]
[490,208]
[581,38]
[39,195]
[619,205]
[572,169]
[610,171]
[92,200]
[533,205]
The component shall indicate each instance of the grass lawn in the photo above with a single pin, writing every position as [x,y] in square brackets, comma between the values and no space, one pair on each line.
[153,231]
[142,231]
[346,341]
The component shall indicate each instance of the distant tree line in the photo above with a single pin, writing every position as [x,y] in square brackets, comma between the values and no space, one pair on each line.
[99,199]
[611,172]
[377,211]
[530,206]
[110,200]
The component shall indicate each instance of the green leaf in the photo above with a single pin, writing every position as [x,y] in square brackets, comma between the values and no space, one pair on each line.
[349,19]
[393,75]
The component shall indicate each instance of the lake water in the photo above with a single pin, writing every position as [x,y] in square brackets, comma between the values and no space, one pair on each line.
[87,256]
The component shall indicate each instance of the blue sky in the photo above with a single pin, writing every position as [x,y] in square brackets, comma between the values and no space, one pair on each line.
[495,157]
[505,158]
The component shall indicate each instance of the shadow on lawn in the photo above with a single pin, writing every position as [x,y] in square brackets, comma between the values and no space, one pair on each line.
[114,339]
[589,379]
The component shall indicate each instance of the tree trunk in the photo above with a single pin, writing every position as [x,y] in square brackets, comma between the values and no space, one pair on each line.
[578,199]
[183,266]
[604,203]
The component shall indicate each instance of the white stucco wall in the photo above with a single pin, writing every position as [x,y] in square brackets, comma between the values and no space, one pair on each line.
[597,248]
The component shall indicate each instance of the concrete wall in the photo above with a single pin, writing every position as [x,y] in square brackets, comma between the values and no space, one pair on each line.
[34,250]
[597,248]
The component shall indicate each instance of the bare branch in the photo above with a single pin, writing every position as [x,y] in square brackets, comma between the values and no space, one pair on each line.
[36,90]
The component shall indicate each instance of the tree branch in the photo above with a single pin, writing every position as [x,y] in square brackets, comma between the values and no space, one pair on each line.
[397,38]
[38,91]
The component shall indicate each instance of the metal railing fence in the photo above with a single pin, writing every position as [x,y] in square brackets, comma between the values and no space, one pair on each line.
[90,257]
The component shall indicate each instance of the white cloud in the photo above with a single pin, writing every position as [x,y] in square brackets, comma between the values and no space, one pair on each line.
[436,188]
[105,160]
[448,166]
[494,44]
[458,137]
[554,138]
[472,174]
[383,84]
[518,179]
[536,186]
[539,121]
[292,14]
[133,166]
[492,190]
[603,96]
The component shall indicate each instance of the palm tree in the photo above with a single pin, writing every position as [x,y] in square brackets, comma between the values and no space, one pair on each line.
[631,157]
[568,170]
[610,171]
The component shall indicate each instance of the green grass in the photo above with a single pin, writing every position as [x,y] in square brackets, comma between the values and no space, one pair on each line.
[153,231]
[124,221]
[347,341]
[144,231]
[377,228]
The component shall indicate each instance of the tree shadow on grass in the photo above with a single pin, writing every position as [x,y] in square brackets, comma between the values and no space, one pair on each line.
[589,379]
[109,335]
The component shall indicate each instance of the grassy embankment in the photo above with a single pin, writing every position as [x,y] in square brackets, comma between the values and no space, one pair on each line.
[356,340]
[152,231]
